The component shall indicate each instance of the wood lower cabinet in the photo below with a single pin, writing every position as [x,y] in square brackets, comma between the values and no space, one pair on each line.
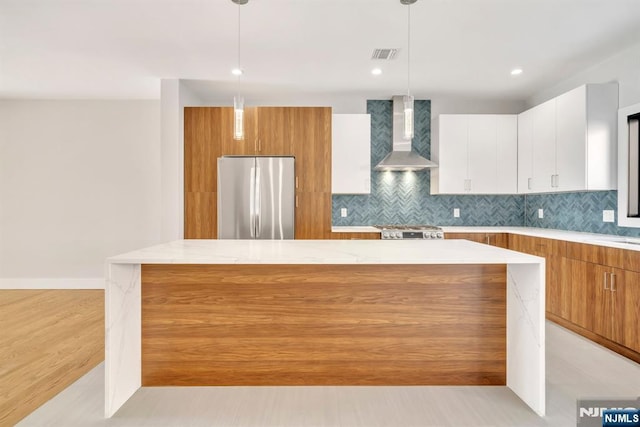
[495,239]
[597,300]
[574,278]
[303,132]
[631,316]
[355,236]
[557,290]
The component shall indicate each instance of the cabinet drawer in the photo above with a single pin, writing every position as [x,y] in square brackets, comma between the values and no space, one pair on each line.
[603,255]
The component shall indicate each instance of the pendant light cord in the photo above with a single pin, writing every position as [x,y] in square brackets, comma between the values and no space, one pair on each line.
[239,66]
[408,48]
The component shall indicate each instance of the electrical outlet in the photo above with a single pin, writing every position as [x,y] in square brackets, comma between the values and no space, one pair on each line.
[540,213]
[608,215]
[456,213]
[343,212]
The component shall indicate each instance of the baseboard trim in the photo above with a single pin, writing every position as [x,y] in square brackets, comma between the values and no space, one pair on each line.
[52,283]
[611,345]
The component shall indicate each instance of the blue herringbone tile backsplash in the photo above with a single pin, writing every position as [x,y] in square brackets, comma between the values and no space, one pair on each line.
[403,197]
[576,211]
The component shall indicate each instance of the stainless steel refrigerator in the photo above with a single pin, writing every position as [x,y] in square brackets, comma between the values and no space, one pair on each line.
[256,197]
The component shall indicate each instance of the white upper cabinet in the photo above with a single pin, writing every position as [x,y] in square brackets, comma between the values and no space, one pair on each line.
[476,154]
[569,143]
[351,154]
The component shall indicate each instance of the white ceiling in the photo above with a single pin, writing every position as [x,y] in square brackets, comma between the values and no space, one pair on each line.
[121,48]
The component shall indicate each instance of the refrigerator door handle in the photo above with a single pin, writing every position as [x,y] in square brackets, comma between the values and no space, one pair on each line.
[252,202]
[257,203]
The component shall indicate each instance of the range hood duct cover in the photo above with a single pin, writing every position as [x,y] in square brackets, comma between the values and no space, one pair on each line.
[402,157]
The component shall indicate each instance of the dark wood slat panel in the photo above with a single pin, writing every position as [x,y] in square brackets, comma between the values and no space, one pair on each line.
[315,324]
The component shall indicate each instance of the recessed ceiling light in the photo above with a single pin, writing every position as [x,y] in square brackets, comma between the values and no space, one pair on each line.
[236,72]
[516,71]
[376,71]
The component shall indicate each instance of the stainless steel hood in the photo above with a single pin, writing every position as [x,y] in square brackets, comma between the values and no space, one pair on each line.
[402,157]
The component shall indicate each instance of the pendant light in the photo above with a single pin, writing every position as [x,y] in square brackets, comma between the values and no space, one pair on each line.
[407,100]
[238,100]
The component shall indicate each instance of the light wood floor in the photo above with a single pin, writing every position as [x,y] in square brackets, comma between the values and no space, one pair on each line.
[48,339]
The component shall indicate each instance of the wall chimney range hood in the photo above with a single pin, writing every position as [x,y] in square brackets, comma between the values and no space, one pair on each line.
[402,157]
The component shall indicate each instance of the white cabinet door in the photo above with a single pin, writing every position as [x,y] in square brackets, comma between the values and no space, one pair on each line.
[544,146]
[507,154]
[453,154]
[477,154]
[571,140]
[483,167]
[525,151]
[351,154]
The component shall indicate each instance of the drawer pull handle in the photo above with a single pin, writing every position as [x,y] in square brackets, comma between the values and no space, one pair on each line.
[613,282]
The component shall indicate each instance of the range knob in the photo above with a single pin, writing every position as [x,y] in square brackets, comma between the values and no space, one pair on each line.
[440,235]
[385,234]
[398,235]
[425,234]
[433,235]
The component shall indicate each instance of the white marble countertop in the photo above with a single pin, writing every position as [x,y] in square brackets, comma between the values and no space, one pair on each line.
[323,252]
[609,240]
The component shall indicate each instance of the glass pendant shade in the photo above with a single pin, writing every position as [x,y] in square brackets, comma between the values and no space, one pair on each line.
[408,116]
[238,118]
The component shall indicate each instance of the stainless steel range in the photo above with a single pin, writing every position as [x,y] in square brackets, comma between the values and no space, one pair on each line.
[397,232]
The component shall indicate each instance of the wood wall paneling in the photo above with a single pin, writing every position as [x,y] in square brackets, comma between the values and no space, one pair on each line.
[201,215]
[323,324]
[202,147]
[304,132]
[313,215]
[312,148]
[275,131]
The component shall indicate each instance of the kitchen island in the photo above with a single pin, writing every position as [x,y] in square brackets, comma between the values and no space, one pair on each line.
[321,312]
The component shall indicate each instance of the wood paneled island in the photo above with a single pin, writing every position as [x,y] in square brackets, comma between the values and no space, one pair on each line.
[300,312]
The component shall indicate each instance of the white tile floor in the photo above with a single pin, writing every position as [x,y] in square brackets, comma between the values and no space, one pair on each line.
[576,368]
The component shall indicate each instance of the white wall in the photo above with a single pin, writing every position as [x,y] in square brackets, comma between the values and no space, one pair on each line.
[79,181]
[623,67]
[174,96]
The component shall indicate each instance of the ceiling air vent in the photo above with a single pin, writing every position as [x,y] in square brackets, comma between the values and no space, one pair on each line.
[385,54]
